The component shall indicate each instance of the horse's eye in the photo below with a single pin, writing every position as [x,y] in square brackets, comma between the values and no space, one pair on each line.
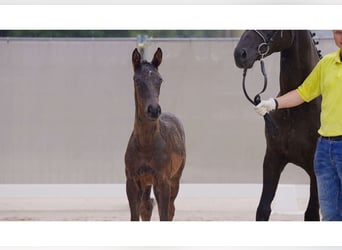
[138,81]
[157,81]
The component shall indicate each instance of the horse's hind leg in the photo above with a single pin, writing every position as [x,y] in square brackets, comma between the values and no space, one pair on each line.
[312,211]
[272,169]
[134,199]
[146,205]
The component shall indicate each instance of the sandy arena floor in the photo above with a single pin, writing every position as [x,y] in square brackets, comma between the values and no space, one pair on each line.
[186,210]
[195,202]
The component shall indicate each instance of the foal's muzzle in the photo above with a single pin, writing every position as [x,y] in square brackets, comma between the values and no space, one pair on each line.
[153,111]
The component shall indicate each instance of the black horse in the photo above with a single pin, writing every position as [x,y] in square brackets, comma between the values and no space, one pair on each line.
[297,127]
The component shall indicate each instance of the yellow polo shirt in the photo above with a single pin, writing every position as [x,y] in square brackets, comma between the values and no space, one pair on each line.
[326,80]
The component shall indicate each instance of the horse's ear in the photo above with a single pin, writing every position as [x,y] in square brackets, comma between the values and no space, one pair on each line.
[136,59]
[157,58]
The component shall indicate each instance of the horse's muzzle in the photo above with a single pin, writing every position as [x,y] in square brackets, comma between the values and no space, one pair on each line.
[153,111]
[242,59]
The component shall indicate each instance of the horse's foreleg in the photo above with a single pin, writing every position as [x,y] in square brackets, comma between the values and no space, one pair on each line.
[174,192]
[272,169]
[162,192]
[134,199]
[146,205]
[312,211]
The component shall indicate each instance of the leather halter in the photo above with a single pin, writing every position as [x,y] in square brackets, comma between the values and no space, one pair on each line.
[268,121]
[264,47]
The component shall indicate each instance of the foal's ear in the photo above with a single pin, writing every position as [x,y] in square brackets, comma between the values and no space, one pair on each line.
[136,59]
[157,58]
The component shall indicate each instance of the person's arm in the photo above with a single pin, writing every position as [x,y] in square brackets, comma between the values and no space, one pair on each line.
[289,100]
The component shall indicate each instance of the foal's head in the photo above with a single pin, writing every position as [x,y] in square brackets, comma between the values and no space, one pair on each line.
[147,82]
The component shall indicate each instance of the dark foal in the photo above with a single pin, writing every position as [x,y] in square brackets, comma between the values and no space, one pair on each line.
[298,126]
[155,155]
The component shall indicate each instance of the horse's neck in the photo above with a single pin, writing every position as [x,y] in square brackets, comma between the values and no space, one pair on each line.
[146,131]
[297,61]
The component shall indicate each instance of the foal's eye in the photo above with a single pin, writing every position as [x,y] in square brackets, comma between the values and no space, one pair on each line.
[138,81]
[160,80]
[157,81]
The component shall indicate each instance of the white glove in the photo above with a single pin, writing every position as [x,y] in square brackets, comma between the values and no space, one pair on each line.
[266,106]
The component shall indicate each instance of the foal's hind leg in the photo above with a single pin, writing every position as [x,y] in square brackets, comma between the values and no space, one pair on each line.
[272,169]
[146,205]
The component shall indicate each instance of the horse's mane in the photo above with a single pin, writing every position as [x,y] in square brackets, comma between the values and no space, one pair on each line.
[315,42]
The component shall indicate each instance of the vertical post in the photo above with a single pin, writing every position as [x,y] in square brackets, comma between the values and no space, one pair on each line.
[142,45]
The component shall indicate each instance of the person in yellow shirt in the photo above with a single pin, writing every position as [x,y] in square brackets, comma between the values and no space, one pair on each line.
[325,80]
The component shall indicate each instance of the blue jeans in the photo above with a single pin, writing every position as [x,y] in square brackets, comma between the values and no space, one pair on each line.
[328,170]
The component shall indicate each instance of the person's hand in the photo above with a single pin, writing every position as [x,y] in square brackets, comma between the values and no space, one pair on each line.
[266,106]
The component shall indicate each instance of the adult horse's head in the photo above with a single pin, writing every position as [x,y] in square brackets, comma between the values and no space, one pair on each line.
[256,44]
[147,82]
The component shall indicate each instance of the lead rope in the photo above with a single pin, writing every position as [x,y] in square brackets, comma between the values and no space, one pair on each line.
[257,98]
[269,123]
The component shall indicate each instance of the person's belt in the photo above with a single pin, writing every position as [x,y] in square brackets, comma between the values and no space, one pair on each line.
[332,138]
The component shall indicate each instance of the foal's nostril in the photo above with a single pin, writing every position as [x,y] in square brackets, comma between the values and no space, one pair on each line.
[149,109]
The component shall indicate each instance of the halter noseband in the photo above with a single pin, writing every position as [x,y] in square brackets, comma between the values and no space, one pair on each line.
[264,47]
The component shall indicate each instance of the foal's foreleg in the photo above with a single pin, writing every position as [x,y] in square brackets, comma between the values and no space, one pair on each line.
[174,192]
[174,189]
[162,192]
[134,199]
